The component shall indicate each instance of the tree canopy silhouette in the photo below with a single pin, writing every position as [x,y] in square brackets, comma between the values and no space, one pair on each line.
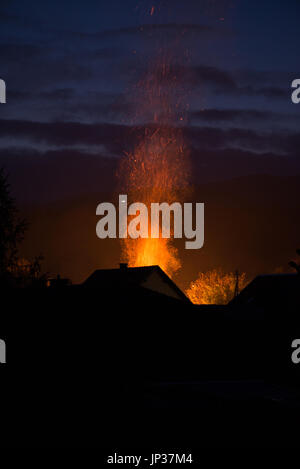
[295,265]
[12,227]
[214,287]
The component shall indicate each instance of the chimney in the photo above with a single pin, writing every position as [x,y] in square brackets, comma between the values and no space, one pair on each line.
[123,265]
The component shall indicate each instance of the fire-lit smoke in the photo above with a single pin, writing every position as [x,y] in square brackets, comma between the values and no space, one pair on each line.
[157,169]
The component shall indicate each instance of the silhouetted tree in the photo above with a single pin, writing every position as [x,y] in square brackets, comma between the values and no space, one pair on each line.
[12,228]
[27,273]
[295,265]
[215,287]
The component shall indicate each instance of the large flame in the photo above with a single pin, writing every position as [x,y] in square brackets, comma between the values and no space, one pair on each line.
[157,169]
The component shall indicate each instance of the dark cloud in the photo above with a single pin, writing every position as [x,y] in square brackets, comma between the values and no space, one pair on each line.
[222,81]
[61,133]
[71,104]
[117,138]
[272,92]
[218,163]
[215,77]
[59,93]
[153,28]
[246,116]
[225,82]
[41,176]
[258,141]
[13,52]
[221,115]
[113,136]
[106,53]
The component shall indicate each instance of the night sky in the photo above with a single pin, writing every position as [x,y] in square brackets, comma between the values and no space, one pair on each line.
[71,67]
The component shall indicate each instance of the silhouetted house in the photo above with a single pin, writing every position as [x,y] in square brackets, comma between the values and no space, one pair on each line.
[150,281]
[270,293]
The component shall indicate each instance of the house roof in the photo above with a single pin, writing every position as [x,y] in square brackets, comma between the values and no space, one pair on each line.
[271,290]
[130,277]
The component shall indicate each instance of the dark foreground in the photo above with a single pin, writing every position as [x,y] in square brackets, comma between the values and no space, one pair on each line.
[96,369]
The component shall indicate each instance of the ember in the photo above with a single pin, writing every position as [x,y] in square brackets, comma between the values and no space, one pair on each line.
[157,170]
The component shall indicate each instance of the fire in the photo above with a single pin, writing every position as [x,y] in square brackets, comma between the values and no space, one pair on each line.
[215,287]
[157,168]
